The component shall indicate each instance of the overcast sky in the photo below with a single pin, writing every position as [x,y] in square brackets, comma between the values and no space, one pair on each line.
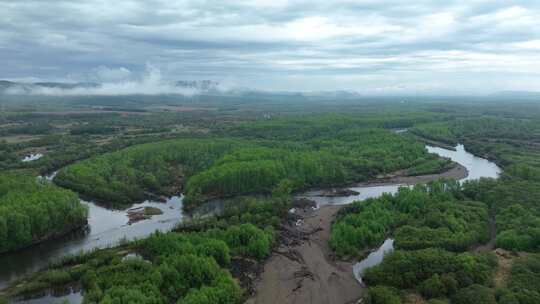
[367,46]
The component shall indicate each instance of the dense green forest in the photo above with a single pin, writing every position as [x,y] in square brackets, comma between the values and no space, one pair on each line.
[439,229]
[513,199]
[191,265]
[32,210]
[433,273]
[168,268]
[435,228]
[232,166]
[421,217]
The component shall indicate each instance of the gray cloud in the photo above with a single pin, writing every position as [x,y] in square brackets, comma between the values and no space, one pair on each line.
[369,46]
[113,82]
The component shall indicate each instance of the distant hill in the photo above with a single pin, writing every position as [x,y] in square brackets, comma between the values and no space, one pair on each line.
[518,94]
[4,84]
[25,87]
[203,85]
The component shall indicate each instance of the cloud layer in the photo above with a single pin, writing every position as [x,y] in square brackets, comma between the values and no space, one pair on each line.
[369,46]
[112,82]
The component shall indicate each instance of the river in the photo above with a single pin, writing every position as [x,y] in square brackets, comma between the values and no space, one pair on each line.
[476,168]
[108,227]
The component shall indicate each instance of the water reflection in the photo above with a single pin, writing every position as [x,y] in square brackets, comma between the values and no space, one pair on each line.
[106,228]
[72,297]
[32,157]
[365,193]
[374,258]
[478,167]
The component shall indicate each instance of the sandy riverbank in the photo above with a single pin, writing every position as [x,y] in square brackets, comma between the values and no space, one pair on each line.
[457,172]
[304,271]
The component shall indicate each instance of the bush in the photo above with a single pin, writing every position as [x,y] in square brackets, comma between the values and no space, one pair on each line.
[474,294]
[433,287]
[383,295]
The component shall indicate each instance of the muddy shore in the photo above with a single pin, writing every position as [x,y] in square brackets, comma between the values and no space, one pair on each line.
[302,269]
[457,172]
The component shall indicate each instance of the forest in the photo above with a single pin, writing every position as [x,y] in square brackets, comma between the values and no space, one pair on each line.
[167,268]
[439,228]
[190,265]
[255,161]
[425,216]
[32,210]
[513,199]
[224,167]
[456,221]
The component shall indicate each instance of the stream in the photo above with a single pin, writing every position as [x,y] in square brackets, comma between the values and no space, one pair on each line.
[108,227]
[476,167]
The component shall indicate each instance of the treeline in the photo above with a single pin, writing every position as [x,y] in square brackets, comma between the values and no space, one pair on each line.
[32,210]
[305,127]
[435,226]
[435,274]
[192,265]
[167,268]
[514,201]
[524,283]
[425,216]
[228,167]
[507,140]
[122,177]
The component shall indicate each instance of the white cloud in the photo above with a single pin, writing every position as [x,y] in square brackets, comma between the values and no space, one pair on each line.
[150,83]
[528,45]
[257,42]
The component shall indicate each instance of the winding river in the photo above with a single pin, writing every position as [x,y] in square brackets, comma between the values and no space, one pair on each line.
[476,168]
[108,227]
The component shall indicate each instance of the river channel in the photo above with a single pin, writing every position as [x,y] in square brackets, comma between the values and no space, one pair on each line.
[477,167]
[108,227]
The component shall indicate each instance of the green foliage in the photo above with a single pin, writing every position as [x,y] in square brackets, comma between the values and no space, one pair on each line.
[245,165]
[265,213]
[123,176]
[422,217]
[524,282]
[436,131]
[176,268]
[514,201]
[32,210]
[383,295]
[474,294]
[245,240]
[433,272]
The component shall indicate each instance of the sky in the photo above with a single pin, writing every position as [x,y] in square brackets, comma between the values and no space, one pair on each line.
[371,47]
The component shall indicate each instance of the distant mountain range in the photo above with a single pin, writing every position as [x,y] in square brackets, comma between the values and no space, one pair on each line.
[210,87]
[203,85]
[518,94]
[25,87]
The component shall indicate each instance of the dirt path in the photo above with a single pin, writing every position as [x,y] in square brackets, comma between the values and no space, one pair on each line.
[303,271]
